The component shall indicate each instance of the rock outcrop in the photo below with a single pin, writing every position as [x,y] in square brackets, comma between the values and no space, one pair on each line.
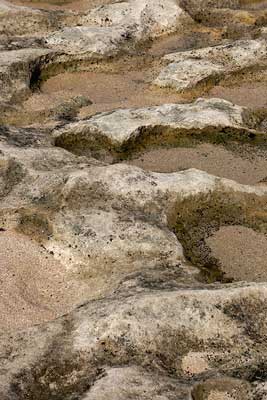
[127,130]
[110,285]
[18,68]
[191,69]
[113,28]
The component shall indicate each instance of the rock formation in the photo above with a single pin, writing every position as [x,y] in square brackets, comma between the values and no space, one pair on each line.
[117,279]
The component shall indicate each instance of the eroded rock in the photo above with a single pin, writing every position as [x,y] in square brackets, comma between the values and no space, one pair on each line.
[110,29]
[18,20]
[192,69]
[129,130]
[18,70]
[69,356]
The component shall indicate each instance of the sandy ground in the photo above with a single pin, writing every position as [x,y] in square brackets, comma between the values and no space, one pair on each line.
[107,92]
[122,83]
[33,286]
[213,159]
[242,253]
[74,5]
[248,91]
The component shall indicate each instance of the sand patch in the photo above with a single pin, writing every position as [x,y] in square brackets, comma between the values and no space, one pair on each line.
[34,288]
[74,5]
[215,160]
[242,253]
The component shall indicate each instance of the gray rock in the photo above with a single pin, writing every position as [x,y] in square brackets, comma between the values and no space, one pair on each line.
[109,29]
[17,71]
[128,127]
[75,355]
[188,70]
[18,20]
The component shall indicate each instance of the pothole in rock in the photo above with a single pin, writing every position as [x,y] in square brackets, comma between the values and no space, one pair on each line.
[34,286]
[241,252]
[197,37]
[249,168]
[122,86]
[122,83]
[222,233]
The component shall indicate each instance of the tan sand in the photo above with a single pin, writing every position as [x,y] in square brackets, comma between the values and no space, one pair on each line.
[106,90]
[242,253]
[74,5]
[249,90]
[213,159]
[33,286]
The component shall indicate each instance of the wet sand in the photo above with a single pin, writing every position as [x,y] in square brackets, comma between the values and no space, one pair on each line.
[215,160]
[242,253]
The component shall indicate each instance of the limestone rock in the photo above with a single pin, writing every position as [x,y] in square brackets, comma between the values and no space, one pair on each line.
[18,20]
[87,42]
[188,70]
[112,28]
[128,127]
[72,355]
[17,71]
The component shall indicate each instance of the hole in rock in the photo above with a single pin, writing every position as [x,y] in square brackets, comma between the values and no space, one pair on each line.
[219,233]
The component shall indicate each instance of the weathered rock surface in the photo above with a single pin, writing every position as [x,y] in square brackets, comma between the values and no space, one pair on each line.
[76,355]
[110,285]
[17,20]
[18,68]
[191,69]
[103,222]
[110,29]
[126,129]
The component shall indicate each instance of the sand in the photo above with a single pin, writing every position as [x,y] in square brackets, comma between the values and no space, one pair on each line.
[252,95]
[122,83]
[242,253]
[74,5]
[34,286]
[213,159]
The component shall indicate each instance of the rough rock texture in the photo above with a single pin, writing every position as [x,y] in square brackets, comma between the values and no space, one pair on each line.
[69,357]
[190,69]
[109,29]
[16,20]
[126,129]
[110,285]
[17,71]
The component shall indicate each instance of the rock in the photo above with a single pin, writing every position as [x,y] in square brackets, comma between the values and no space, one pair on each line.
[110,29]
[117,230]
[196,6]
[108,221]
[191,69]
[119,382]
[223,389]
[18,70]
[109,286]
[75,355]
[18,20]
[86,42]
[141,20]
[126,129]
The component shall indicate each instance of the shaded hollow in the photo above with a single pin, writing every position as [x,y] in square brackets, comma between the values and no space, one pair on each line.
[197,218]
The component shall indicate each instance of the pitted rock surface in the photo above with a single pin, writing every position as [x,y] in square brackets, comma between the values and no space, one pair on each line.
[118,282]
